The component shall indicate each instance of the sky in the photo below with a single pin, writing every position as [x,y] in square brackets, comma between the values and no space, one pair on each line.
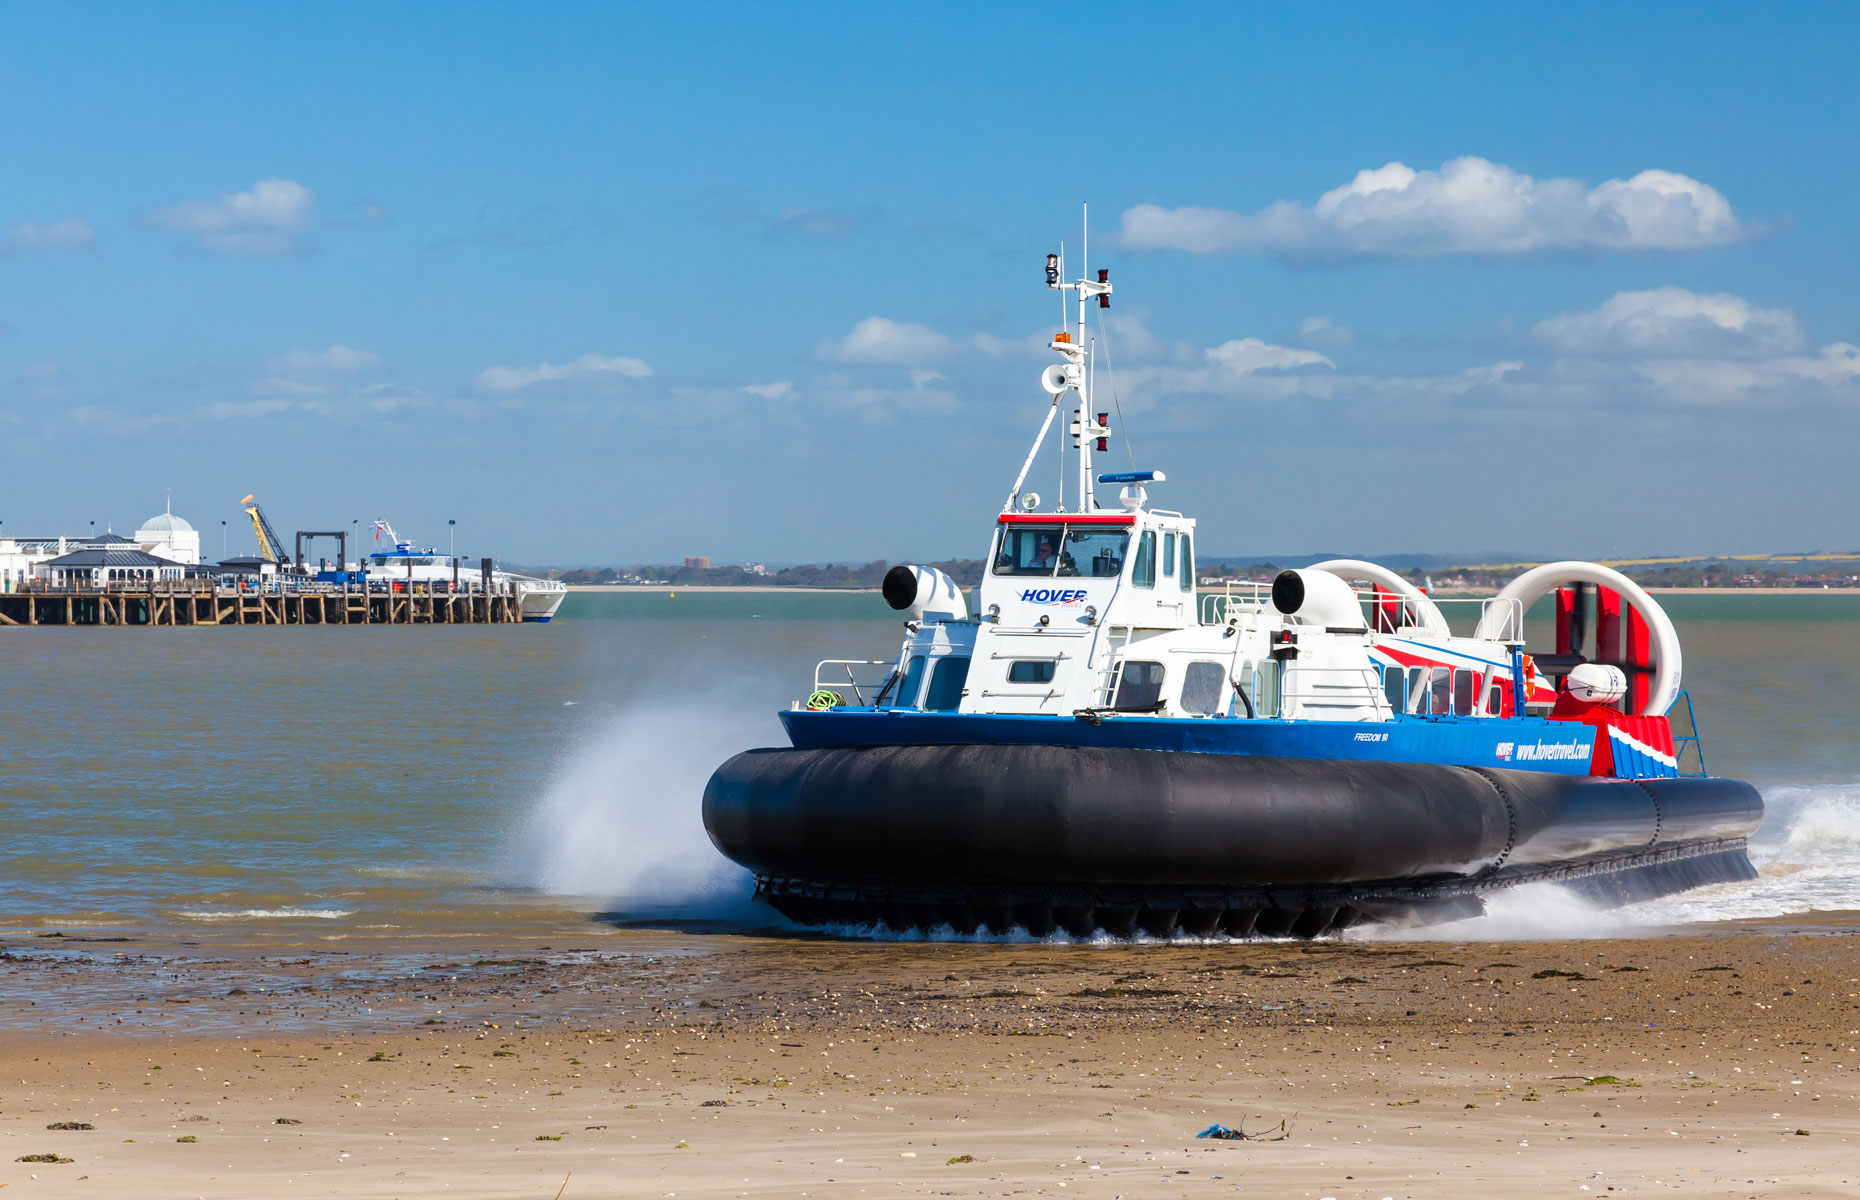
[611,284]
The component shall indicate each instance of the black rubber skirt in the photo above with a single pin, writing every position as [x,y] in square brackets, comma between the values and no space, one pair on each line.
[1122,840]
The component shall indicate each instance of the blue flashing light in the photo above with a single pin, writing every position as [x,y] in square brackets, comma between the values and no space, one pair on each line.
[1133,477]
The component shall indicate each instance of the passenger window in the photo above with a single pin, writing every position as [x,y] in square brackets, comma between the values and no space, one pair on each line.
[1392,681]
[1188,566]
[1495,699]
[1417,690]
[1039,670]
[1440,692]
[946,683]
[1143,570]
[1465,691]
[913,682]
[1139,684]
[1168,571]
[1204,688]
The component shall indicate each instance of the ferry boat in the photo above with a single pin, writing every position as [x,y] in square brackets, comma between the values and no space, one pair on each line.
[1091,744]
[540,598]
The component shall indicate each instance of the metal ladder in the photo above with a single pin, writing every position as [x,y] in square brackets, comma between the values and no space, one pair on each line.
[1689,738]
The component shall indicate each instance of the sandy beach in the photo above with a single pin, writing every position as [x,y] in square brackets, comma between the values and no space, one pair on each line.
[1715,1063]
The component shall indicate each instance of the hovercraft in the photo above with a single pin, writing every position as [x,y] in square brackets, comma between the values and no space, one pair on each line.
[1101,747]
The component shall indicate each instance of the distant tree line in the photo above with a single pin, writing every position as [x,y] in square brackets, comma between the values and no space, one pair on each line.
[966,572]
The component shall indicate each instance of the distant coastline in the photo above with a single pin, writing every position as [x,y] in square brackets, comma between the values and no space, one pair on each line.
[1747,575]
[1208,589]
[665,588]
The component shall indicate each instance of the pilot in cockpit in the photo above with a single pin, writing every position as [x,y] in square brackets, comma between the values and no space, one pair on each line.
[1043,555]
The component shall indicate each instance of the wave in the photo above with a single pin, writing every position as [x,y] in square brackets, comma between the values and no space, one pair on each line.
[264,914]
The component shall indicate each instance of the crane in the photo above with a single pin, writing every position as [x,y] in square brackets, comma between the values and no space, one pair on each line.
[269,547]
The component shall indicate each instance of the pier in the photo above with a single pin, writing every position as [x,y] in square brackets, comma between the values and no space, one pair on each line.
[187,602]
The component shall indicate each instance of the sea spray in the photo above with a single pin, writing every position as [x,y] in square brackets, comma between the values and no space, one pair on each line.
[622,822]
[1805,853]
[1529,912]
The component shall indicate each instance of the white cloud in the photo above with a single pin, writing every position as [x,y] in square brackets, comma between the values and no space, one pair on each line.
[269,219]
[1243,356]
[514,379]
[1322,331]
[1240,367]
[1468,206]
[1673,321]
[1720,380]
[1837,363]
[732,209]
[882,340]
[819,223]
[66,234]
[770,391]
[1691,347]
[338,358]
[313,374]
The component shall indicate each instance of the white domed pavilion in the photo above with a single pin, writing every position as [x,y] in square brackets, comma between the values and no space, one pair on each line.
[168,536]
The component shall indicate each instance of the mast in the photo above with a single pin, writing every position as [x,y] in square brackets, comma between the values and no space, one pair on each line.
[1086,427]
[1073,375]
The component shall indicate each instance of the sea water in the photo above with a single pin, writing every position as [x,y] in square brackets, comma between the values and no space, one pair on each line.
[383,782]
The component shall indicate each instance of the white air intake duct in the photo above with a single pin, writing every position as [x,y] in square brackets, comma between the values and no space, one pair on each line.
[1318,598]
[924,593]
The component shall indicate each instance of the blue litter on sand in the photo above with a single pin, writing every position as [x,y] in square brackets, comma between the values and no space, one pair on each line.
[1222,1132]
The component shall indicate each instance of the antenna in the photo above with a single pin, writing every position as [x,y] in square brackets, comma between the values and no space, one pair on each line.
[1075,374]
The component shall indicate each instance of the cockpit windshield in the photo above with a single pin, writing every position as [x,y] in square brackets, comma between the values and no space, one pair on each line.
[1061,550]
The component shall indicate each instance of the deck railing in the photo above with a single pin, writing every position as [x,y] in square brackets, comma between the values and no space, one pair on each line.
[865,678]
[1252,597]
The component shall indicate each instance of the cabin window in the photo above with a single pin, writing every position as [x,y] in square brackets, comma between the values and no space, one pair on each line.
[1139,684]
[1061,550]
[1029,549]
[1394,686]
[1033,670]
[1204,688]
[913,682]
[1095,553]
[1465,692]
[946,683]
[1143,571]
[1168,564]
[1495,699]
[1188,566]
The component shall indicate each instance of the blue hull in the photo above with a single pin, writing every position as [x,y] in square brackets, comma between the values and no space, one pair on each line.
[536,620]
[1525,744]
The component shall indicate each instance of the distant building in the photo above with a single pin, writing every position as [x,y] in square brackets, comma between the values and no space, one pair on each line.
[165,537]
[699,562]
[107,566]
[168,536]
